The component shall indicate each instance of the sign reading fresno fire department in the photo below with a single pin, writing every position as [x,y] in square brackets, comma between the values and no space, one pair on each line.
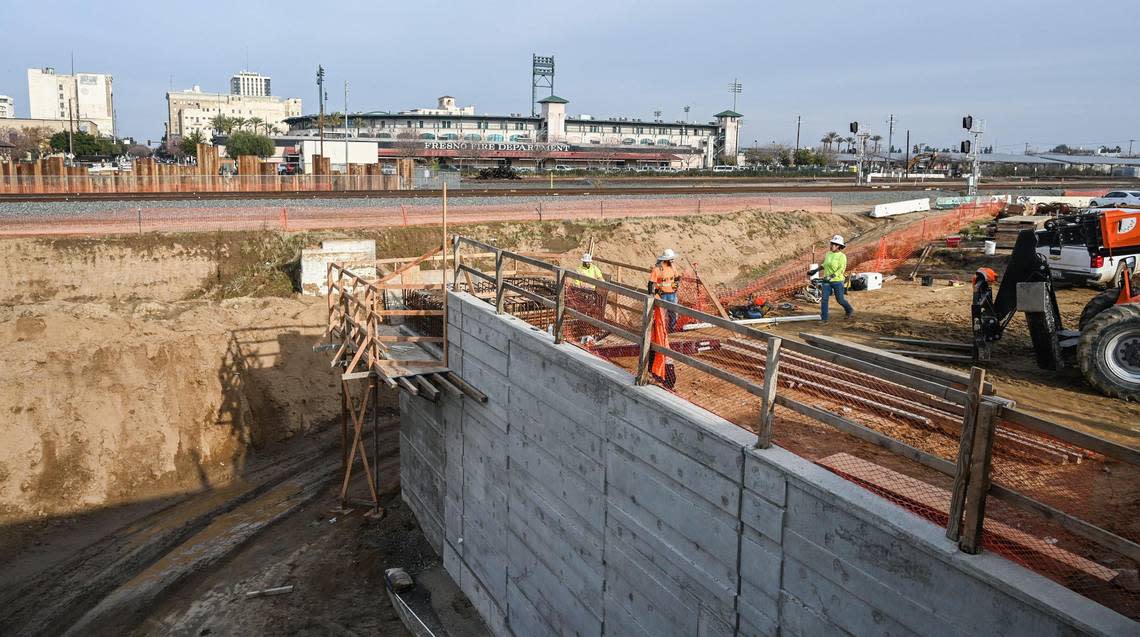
[529,147]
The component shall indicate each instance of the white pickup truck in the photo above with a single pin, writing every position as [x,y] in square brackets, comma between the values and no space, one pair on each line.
[1069,259]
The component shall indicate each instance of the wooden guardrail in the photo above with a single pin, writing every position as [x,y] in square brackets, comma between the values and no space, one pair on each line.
[969,396]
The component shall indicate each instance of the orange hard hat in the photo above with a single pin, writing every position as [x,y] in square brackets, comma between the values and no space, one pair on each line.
[988,273]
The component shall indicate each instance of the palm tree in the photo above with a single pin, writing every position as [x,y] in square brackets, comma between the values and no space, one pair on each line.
[255,123]
[240,123]
[876,139]
[850,143]
[221,124]
[830,138]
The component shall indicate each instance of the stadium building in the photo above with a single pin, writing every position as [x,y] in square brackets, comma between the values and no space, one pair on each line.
[552,140]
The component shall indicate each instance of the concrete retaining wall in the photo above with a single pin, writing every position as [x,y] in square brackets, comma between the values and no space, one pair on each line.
[574,502]
[900,207]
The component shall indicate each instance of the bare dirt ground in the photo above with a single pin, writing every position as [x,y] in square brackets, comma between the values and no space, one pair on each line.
[907,309]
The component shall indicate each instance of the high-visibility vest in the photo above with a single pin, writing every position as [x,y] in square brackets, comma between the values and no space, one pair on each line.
[664,278]
[592,271]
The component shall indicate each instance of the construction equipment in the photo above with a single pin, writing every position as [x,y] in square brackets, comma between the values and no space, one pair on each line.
[1106,348]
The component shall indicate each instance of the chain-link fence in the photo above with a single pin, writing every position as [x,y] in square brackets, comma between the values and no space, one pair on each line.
[932,440]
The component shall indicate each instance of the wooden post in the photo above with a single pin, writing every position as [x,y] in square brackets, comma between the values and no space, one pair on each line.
[646,341]
[965,451]
[443,247]
[559,305]
[499,281]
[768,400]
[979,487]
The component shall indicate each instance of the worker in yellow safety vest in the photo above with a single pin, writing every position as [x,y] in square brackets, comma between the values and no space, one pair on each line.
[834,272]
[588,269]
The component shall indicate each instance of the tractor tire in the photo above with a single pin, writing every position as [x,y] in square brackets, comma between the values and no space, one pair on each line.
[1046,346]
[1109,352]
[1098,304]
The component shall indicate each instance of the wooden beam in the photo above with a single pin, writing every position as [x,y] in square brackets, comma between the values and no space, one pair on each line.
[978,488]
[409,312]
[965,453]
[439,380]
[464,387]
[1073,436]
[938,356]
[407,386]
[926,343]
[748,386]
[602,325]
[868,435]
[427,390]
[886,359]
[393,338]
[768,399]
[636,268]
[413,263]
[644,342]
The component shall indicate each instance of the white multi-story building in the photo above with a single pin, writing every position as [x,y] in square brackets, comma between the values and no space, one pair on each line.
[250,84]
[7,107]
[457,134]
[87,96]
[194,110]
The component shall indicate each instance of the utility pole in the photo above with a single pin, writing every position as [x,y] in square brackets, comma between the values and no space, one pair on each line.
[321,100]
[906,166]
[797,133]
[346,128]
[734,88]
[1130,147]
[890,137]
[70,132]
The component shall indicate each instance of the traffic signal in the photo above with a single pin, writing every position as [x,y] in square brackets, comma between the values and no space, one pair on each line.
[966,147]
[968,122]
[916,149]
[854,127]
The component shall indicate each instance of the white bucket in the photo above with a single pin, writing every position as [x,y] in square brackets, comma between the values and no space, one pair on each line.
[990,248]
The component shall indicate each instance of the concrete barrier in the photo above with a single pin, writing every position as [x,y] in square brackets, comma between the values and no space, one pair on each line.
[574,502]
[900,208]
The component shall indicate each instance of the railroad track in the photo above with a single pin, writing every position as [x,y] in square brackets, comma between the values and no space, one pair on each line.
[527,191]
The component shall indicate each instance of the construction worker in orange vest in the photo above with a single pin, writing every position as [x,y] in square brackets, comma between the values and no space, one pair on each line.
[664,280]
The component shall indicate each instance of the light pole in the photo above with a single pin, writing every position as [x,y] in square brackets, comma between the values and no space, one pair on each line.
[321,100]
[1130,147]
[735,88]
[890,137]
[346,128]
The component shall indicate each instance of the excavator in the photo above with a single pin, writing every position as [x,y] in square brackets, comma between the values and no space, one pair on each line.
[1106,345]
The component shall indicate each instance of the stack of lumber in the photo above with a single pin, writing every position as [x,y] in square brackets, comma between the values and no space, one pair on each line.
[1009,227]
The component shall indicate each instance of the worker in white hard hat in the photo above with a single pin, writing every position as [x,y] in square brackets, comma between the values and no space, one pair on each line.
[588,269]
[664,280]
[834,272]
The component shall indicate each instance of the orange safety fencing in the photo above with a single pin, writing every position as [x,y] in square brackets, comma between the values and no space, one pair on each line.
[138,219]
[134,183]
[1086,193]
[883,255]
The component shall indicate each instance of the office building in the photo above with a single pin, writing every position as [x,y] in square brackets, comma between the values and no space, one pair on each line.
[88,96]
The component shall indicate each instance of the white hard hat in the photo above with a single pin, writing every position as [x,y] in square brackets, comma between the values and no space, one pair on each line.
[838,239]
[587,258]
[667,255]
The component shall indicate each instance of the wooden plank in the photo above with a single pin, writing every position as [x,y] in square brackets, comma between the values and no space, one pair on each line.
[559,305]
[925,343]
[934,388]
[413,263]
[1107,539]
[1073,436]
[606,285]
[938,356]
[978,487]
[602,325]
[636,268]
[394,338]
[886,359]
[965,453]
[868,435]
[935,499]
[541,300]
[537,263]
[464,386]
[447,386]
[408,286]
[409,312]
[417,362]
[427,390]
[768,398]
[499,260]
[646,336]
[748,386]
[407,386]
[470,270]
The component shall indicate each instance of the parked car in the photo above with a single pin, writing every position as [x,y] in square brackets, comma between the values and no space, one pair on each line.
[562,168]
[723,169]
[1117,198]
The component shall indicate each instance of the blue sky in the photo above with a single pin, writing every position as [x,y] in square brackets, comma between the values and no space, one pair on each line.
[1041,72]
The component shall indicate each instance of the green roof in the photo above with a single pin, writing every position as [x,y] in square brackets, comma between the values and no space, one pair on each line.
[728,114]
[553,99]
